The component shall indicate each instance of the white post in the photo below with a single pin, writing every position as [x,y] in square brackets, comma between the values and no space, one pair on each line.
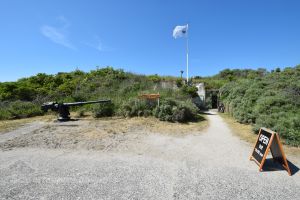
[187,55]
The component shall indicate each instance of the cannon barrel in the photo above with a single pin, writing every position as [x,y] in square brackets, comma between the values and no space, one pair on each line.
[63,108]
[86,102]
[49,106]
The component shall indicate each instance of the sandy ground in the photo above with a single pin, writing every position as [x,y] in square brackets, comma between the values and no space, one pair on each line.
[135,161]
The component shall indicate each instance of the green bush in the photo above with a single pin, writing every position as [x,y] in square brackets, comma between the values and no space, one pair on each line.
[19,109]
[190,90]
[185,112]
[292,137]
[103,110]
[176,111]
[270,100]
[155,78]
[169,110]
[179,83]
[165,112]
[182,115]
[137,107]
[5,114]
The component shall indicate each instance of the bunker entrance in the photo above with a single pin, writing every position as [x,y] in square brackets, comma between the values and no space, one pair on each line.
[214,101]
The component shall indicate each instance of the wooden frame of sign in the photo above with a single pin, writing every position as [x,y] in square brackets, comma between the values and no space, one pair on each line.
[269,140]
[150,97]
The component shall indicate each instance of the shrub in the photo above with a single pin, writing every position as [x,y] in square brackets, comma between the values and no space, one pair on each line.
[136,107]
[165,112]
[147,113]
[186,111]
[292,137]
[179,83]
[180,115]
[190,90]
[176,111]
[270,101]
[19,109]
[169,110]
[155,78]
[5,114]
[103,110]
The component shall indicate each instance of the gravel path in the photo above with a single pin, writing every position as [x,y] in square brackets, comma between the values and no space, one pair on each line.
[212,164]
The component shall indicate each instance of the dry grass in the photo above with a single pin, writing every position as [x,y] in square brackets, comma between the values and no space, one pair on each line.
[117,124]
[245,132]
[9,125]
[154,125]
[96,134]
[149,124]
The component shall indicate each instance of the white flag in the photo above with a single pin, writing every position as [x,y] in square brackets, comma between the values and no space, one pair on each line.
[180,31]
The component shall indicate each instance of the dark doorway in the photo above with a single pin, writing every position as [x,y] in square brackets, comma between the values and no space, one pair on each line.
[214,101]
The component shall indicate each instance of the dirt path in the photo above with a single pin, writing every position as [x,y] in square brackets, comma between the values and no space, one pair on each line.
[212,164]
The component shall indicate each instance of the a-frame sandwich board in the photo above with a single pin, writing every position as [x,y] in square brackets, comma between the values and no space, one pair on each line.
[269,140]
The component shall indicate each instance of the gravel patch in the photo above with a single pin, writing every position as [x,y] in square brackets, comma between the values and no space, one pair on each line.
[212,164]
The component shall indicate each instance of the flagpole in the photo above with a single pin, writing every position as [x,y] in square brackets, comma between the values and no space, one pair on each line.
[187,55]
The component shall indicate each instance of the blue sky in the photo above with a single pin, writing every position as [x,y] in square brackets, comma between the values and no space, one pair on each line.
[136,35]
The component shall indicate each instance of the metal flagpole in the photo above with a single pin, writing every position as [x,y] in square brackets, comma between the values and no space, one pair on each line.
[187,54]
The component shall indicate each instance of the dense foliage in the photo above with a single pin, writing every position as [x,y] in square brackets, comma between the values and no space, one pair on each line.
[229,75]
[176,111]
[269,100]
[168,110]
[105,83]
[18,109]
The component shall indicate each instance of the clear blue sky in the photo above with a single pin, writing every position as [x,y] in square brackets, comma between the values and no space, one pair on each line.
[136,35]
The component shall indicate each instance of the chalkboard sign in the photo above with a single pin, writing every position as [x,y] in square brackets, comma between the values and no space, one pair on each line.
[261,145]
[268,140]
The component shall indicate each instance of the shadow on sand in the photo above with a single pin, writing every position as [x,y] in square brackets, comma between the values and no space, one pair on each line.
[271,165]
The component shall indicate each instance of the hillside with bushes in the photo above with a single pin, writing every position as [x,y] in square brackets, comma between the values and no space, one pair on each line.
[23,98]
[257,97]
[261,98]
[270,100]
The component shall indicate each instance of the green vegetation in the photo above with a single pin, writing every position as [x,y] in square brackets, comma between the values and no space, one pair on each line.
[22,98]
[256,97]
[169,110]
[260,98]
[18,109]
[227,75]
[176,111]
[137,107]
[103,110]
[269,100]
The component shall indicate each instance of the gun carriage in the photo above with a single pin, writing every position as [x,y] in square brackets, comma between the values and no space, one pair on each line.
[63,109]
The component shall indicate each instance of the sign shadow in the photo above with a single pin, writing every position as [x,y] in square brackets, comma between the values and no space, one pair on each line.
[272,165]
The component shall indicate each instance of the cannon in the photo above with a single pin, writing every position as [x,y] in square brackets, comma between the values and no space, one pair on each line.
[63,109]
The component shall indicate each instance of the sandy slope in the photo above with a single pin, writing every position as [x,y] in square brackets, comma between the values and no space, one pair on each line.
[212,164]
